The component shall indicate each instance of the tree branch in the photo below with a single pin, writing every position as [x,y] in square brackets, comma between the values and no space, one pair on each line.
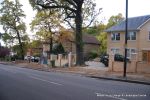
[56,6]
[93,18]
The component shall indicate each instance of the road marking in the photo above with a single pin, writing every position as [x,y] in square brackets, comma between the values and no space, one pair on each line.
[8,70]
[51,82]
[110,96]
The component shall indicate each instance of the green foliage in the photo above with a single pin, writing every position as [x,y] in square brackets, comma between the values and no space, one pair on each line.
[11,19]
[102,37]
[113,20]
[95,30]
[16,48]
[58,49]
[45,22]
[91,55]
[35,44]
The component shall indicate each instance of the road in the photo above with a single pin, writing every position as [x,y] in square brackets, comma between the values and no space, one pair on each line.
[27,84]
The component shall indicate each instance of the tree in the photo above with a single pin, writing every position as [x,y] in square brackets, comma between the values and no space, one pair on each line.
[113,20]
[16,49]
[11,19]
[102,37]
[74,12]
[46,23]
[95,30]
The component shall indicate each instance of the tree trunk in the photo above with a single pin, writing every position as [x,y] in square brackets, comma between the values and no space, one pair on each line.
[20,43]
[79,41]
[51,47]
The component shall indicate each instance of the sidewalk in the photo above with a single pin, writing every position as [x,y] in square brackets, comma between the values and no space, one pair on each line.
[93,72]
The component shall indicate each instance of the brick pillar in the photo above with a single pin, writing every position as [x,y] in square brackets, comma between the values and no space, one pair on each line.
[59,59]
[111,61]
[70,59]
[134,60]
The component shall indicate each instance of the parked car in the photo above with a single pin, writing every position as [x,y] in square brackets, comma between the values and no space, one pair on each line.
[117,57]
[36,59]
[32,58]
[104,59]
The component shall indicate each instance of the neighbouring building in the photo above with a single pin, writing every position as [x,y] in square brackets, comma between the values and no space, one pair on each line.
[90,44]
[68,42]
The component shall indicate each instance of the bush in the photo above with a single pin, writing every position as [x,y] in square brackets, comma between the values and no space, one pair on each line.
[58,49]
[91,55]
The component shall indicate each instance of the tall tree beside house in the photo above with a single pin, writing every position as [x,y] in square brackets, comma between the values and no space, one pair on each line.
[74,13]
[102,37]
[115,19]
[46,23]
[11,19]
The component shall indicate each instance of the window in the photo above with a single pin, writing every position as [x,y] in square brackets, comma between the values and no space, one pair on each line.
[115,50]
[132,36]
[115,36]
[130,52]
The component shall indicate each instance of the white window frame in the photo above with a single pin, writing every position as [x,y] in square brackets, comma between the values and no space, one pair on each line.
[115,36]
[130,52]
[115,50]
[130,34]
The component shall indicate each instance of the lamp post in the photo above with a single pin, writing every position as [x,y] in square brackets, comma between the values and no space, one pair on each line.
[126,35]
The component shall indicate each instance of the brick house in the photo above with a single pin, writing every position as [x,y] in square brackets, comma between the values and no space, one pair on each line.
[138,38]
[90,44]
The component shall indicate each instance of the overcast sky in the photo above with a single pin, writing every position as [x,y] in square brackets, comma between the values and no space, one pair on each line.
[110,7]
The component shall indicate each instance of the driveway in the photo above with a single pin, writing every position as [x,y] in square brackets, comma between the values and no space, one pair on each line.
[96,65]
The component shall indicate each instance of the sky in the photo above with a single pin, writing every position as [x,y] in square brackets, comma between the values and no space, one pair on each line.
[113,7]
[110,7]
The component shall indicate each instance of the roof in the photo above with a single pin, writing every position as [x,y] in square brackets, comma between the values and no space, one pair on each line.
[88,39]
[134,24]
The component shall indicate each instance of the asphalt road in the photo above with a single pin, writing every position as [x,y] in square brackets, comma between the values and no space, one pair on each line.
[27,84]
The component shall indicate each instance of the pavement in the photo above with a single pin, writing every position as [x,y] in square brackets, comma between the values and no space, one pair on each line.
[17,83]
[90,71]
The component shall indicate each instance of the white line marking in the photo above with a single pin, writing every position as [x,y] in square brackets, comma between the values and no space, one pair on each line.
[45,80]
[110,96]
[9,70]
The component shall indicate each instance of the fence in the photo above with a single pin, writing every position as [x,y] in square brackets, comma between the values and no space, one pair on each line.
[134,66]
[62,60]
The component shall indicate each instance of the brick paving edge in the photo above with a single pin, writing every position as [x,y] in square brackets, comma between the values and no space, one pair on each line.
[121,79]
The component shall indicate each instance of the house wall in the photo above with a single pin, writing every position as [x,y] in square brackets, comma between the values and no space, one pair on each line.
[144,43]
[90,47]
[115,44]
[70,47]
[120,44]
